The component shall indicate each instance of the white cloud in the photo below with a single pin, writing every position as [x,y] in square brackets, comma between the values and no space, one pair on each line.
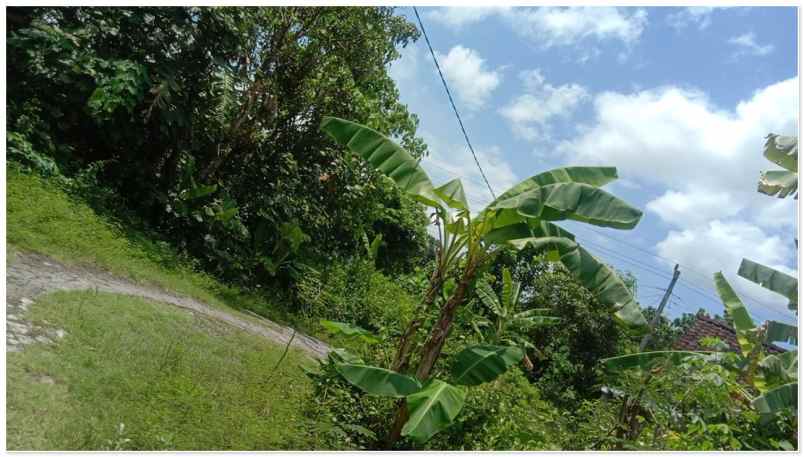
[747,44]
[691,209]
[709,161]
[466,71]
[721,246]
[530,114]
[456,17]
[448,161]
[548,27]
[562,26]
[700,16]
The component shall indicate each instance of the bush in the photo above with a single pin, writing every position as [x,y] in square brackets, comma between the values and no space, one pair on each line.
[353,291]
[506,414]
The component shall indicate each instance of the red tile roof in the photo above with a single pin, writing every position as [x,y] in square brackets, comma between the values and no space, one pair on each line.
[706,326]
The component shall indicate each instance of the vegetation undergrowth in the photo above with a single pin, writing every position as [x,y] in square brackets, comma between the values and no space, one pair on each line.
[133,374]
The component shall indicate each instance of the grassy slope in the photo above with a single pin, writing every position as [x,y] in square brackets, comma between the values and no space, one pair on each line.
[42,218]
[104,369]
[175,380]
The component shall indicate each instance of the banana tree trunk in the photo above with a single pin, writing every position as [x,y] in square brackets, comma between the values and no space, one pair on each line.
[402,358]
[432,348]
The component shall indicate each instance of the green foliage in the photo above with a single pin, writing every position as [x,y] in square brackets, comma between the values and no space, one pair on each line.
[378,381]
[350,331]
[207,120]
[483,363]
[432,409]
[505,415]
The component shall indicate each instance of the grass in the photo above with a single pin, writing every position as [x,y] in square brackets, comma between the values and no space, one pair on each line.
[44,218]
[174,380]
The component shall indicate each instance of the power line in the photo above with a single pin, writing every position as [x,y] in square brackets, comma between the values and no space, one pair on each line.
[449,95]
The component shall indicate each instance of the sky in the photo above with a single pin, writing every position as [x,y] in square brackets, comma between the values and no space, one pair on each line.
[678,99]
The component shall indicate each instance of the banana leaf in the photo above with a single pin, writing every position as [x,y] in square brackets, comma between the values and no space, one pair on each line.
[378,381]
[349,330]
[783,151]
[779,332]
[594,176]
[771,279]
[453,195]
[385,156]
[483,363]
[432,409]
[600,279]
[569,200]
[778,183]
[777,399]
[743,324]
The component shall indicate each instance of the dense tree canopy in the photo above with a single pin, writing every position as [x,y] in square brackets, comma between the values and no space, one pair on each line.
[204,117]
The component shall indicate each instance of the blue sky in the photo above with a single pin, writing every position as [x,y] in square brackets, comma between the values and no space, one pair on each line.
[678,99]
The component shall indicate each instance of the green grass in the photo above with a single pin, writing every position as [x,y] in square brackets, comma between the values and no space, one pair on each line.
[174,379]
[42,217]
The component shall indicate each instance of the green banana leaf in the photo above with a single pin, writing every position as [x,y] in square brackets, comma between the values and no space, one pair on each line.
[646,360]
[385,156]
[777,399]
[453,195]
[530,228]
[378,381]
[594,176]
[601,280]
[483,363]
[488,297]
[771,279]
[568,200]
[782,366]
[349,330]
[432,409]
[743,324]
[341,355]
[779,332]
[783,151]
[778,183]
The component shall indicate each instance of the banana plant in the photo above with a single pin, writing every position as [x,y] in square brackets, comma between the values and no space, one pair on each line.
[783,151]
[508,325]
[768,374]
[522,215]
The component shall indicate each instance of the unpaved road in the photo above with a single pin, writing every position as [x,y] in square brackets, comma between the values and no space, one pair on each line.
[31,275]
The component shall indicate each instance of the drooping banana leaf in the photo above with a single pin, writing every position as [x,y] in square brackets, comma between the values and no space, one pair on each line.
[771,279]
[778,183]
[432,409]
[385,156]
[568,200]
[453,195]
[779,332]
[743,324]
[601,280]
[483,363]
[349,330]
[594,176]
[510,291]
[378,381]
[647,360]
[783,151]
[777,399]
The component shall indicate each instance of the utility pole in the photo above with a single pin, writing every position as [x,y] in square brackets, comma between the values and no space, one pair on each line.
[667,293]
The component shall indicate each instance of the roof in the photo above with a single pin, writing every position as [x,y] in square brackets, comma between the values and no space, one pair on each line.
[706,326]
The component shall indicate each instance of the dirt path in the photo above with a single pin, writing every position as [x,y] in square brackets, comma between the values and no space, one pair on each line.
[31,275]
